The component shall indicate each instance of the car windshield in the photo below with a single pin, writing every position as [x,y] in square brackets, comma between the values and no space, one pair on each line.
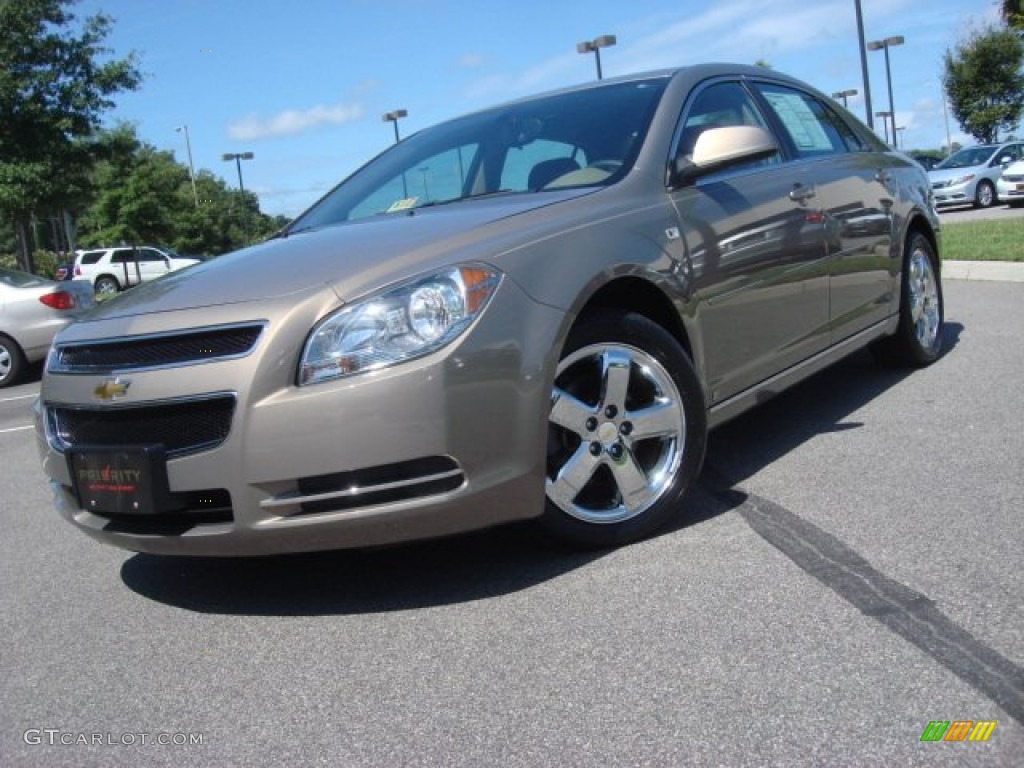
[575,139]
[967,158]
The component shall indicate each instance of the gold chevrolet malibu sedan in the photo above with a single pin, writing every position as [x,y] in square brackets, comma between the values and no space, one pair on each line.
[534,311]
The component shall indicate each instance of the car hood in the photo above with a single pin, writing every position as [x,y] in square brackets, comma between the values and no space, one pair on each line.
[352,258]
[945,174]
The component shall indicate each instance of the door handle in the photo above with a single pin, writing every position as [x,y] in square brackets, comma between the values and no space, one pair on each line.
[800,194]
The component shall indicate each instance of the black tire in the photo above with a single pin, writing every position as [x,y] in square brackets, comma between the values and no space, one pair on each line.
[985,195]
[627,411]
[106,285]
[918,338]
[12,361]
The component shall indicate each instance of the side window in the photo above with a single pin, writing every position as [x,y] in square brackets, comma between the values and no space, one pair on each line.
[719,106]
[91,257]
[811,126]
[121,257]
[537,164]
[436,179]
[148,254]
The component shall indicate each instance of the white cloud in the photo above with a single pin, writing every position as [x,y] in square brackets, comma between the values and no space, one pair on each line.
[471,60]
[293,121]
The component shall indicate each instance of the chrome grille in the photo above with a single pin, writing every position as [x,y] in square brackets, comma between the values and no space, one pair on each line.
[156,351]
[182,427]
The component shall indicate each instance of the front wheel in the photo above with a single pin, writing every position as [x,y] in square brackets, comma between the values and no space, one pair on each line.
[984,195]
[626,432]
[918,338]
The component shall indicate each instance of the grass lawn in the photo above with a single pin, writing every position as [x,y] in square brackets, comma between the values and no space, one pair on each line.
[988,240]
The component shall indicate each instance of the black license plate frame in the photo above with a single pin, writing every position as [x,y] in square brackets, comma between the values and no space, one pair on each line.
[120,480]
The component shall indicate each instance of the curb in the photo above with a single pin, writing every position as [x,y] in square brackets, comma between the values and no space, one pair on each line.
[1004,271]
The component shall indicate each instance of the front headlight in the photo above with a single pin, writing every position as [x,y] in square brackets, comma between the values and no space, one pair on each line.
[402,323]
[961,180]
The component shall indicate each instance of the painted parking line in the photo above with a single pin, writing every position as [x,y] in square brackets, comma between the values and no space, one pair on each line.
[15,429]
[19,397]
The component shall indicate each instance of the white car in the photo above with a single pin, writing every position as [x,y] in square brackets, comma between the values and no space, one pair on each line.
[111,270]
[1010,186]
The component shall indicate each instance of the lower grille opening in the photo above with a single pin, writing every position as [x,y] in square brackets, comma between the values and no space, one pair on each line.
[191,508]
[383,484]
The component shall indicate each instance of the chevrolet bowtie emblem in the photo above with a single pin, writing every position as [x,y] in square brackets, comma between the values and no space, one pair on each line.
[111,389]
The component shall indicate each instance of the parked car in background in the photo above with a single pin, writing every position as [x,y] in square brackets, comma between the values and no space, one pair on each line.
[534,311]
[969,177]
[1010,186]
[111,270]
[32,310]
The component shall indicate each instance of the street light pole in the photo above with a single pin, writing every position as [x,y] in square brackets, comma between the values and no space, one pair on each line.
[885,123]
[393,117]
[864,64]
[843,94]
[595,45]
[238,157]
[191,168]
[884,45]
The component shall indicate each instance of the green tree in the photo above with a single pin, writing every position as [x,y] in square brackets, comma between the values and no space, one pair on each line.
[144,196]
[985,84]
[1012,12]
[53,93]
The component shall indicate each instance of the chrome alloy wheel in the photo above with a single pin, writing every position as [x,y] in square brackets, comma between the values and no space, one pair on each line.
[616,433]
[925,311]
[6,362]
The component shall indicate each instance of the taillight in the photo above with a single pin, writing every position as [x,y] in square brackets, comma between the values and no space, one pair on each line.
[78,271]
[58,300]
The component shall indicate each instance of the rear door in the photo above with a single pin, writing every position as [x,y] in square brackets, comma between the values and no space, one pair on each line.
[854,191]
[755,242]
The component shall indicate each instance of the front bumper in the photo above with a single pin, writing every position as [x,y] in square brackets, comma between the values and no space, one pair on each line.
[447,443]
[961,194]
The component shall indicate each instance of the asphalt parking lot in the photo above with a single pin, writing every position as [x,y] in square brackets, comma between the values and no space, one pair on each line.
[849,570]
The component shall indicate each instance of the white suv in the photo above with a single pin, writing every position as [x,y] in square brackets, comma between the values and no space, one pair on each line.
[113,269]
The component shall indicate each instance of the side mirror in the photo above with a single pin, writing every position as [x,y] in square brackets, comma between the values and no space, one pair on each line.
[720,148]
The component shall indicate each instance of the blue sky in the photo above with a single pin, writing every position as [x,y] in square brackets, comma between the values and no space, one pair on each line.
[303,84]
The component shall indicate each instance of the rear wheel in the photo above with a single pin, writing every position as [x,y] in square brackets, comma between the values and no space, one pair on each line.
[12,361]
[626,433]
[918,339]
[984,195]
[106,285]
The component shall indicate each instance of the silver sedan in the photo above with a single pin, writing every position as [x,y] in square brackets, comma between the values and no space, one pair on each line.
[32,310]
[533,311]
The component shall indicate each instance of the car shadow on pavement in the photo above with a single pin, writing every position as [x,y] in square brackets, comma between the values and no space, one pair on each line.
[458,569]
[742,447]
[504,560]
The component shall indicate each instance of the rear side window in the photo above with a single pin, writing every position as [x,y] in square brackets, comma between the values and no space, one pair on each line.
[811,126]
[91,257]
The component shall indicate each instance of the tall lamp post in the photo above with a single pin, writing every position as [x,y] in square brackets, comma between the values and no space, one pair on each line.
[884,45]
[238,157]
[595,45]
[885,123]
[393,117]
[191,168]
[843,94]
[864,64]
